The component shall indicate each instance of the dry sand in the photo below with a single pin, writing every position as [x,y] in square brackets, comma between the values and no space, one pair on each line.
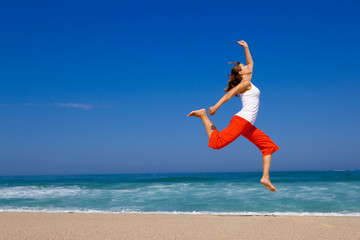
[172,226]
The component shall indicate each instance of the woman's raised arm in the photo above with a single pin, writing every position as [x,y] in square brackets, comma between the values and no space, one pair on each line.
[249,60]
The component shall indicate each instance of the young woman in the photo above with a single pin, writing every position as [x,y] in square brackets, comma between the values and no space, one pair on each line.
[242,123]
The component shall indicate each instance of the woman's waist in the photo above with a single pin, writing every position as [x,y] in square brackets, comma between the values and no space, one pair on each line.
[249,116]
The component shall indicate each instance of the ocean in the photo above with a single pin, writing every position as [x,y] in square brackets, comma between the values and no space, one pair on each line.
[314,193]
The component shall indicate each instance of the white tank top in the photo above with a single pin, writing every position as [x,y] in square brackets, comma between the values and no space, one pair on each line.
[250,104]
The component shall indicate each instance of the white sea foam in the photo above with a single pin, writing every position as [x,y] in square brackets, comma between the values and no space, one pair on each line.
[38,192]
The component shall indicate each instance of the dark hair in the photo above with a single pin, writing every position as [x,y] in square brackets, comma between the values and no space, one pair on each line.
[234,77]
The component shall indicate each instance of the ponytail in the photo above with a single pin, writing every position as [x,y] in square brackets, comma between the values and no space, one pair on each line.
[234,77]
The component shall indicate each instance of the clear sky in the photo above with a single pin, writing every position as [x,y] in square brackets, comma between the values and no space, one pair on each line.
[105,86]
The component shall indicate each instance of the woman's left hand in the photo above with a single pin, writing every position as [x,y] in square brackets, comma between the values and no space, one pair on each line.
[212,110]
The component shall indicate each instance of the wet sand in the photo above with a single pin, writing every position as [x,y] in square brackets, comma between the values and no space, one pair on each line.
[28,225]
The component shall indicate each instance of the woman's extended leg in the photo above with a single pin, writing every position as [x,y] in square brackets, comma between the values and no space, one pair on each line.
[209,127]
[267,147]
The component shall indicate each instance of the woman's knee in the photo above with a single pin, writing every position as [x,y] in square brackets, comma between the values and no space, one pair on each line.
[217,146]
[270,149]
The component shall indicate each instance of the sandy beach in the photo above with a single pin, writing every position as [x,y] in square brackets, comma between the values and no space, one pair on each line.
[28,225]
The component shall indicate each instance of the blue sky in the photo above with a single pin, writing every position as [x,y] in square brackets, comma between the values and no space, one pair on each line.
[105,86]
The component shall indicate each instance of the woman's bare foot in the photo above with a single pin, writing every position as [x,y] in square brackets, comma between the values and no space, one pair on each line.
[267,184]
[197,113]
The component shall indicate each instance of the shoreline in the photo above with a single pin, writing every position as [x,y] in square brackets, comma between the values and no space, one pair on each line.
[42,225]
[289,214]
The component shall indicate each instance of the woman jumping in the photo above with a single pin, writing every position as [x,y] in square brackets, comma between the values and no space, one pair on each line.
[241,123]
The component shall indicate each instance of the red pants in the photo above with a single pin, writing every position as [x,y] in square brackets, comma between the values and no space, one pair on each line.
[239,126]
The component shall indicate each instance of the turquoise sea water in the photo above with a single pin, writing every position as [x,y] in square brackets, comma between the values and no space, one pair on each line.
[299,193]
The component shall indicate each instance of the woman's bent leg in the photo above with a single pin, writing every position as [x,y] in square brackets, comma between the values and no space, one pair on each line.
[267,147]
[209,127]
